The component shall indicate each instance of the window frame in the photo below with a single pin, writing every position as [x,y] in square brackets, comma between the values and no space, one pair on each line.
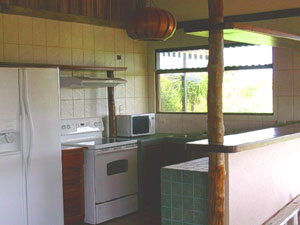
[188,70]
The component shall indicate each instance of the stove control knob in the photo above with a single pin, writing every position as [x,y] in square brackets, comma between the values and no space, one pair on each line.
[63,127]
[68,127]
[95,124]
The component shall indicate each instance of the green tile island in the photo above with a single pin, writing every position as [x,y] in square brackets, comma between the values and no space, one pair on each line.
[262,174]
[184,193]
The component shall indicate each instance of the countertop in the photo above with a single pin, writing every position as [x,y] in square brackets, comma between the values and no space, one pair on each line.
[248,140]
[73,148]
[169,137]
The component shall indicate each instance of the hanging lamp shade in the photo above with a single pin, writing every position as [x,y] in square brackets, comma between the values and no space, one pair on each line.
[151,24]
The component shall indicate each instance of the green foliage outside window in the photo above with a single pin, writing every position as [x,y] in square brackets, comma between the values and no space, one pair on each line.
[244,91]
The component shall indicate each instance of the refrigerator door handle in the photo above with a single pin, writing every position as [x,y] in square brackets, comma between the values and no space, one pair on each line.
[29,117]
[23,142]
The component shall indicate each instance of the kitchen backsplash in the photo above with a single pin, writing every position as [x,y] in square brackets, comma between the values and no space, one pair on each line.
[35,40]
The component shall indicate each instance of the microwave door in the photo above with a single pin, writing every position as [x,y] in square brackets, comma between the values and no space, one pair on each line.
[140,125]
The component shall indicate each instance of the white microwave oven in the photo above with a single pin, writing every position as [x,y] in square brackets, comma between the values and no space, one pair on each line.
[135,125]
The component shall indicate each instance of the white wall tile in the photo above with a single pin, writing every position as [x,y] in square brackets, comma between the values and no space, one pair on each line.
[77,35]
[39,32]
[65,34]
[26,53]
[78,108]
[119,40]
[25,30]
[285,109]
[130,86]
[90,108]
[78,93]
[284,83]
[140,86]
[296,82]
[52,27]
[110,59]
[66,109]
[284,59]
[10,29]
[140,105]
[66,94]
[11,53]
[53,55]
[102,107]
[109,39]
[99,38]
[90,93]
[88,37]
[130,106]
[120,106]
[297,108]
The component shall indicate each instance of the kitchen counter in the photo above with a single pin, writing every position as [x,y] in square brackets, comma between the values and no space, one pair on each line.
[248,140]
[73,148]
[169,137]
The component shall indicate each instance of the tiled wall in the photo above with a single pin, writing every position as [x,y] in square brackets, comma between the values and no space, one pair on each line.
[35,40]
[286,87]
[184,189]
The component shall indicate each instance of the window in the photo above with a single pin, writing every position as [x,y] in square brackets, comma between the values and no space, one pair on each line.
[247,82]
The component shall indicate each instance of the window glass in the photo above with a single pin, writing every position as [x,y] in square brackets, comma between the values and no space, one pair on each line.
[247,81]
[172,92]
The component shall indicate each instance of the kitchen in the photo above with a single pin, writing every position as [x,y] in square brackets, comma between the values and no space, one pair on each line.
[44,41]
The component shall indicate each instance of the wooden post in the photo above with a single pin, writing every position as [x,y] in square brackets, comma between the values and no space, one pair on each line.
[111,108]
[215,115]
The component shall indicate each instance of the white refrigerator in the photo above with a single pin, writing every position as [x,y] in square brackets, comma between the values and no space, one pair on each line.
[30,153]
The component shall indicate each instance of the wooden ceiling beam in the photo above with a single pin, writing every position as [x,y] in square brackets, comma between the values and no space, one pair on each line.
[278,14]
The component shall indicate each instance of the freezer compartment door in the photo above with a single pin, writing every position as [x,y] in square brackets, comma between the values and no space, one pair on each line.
[11,189]
[115,174]
[44,162]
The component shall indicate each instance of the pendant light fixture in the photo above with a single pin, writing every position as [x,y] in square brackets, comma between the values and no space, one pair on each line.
[151,24]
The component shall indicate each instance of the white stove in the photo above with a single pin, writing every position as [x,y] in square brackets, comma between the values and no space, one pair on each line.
[110,169]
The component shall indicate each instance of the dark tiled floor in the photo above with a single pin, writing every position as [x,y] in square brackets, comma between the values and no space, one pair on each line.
[147,217]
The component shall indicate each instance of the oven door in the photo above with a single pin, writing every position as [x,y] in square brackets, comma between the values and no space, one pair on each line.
[115,173]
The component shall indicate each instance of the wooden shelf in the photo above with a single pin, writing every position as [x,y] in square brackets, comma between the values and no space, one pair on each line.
[62,67]
[243,33]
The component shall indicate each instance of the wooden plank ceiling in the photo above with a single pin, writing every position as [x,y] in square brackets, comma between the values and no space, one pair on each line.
[111,13]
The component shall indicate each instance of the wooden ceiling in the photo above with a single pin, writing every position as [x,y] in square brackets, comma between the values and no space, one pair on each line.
[111,13]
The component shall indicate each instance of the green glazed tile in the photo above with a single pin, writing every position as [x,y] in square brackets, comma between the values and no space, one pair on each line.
[166,187]
[176,223]
[176,175]
[188,216]
[188,203]
[188,177]
[166,222]
[200,178]
[166,213]
[201,191]
[176,214]
[165,174]
[176,201]
[166,200]
[176,188]
[200,204]
[188,190]
[201,218]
